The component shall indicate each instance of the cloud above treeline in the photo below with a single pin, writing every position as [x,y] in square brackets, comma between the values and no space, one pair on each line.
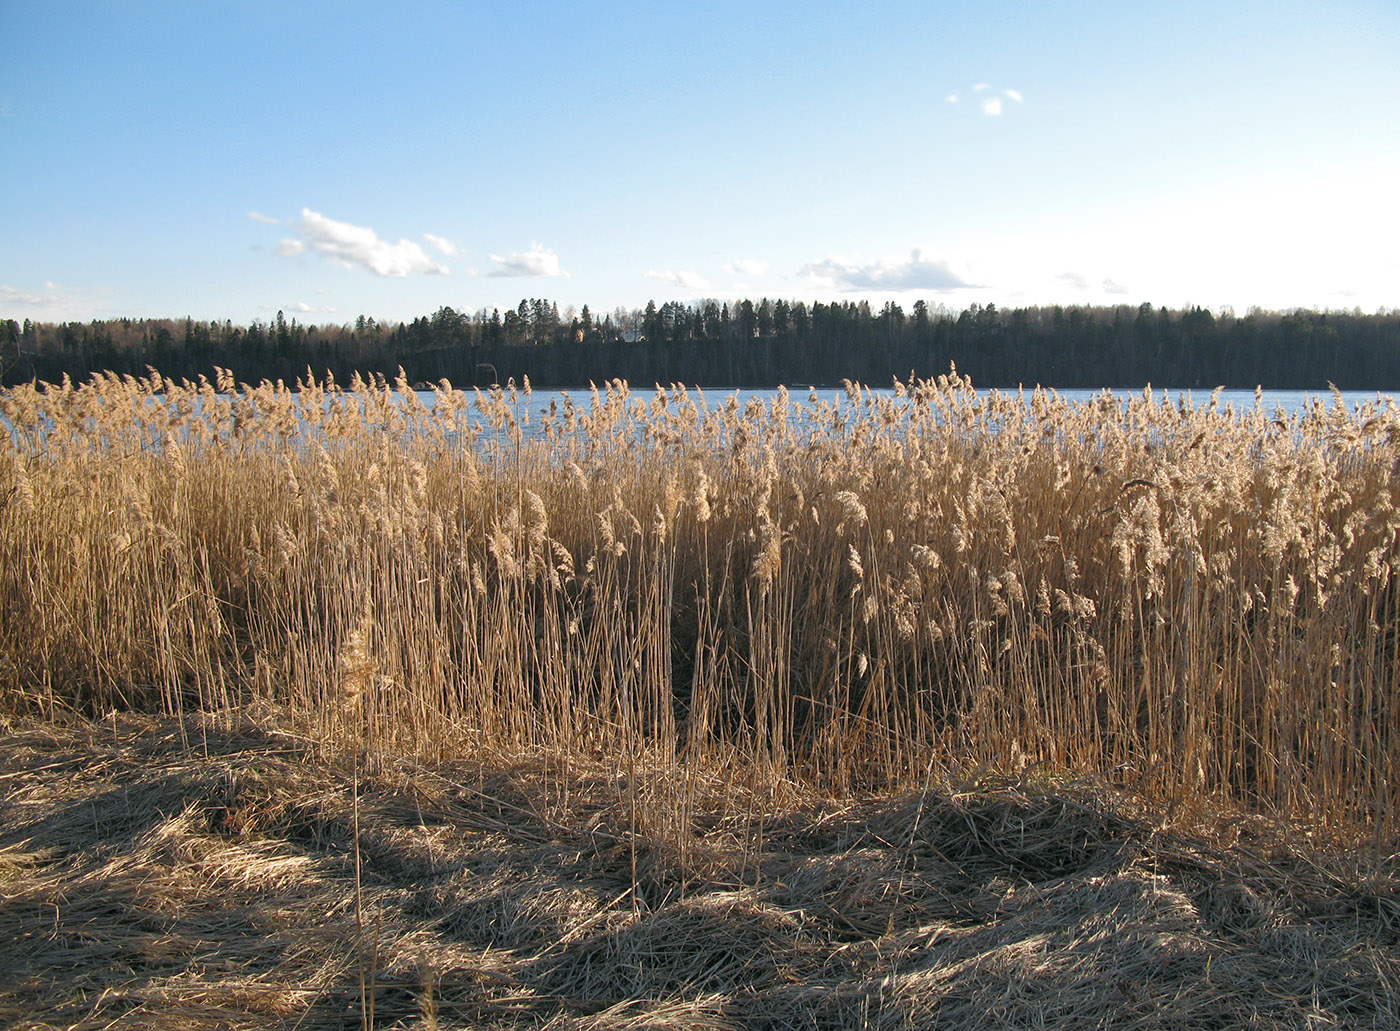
[49,295]
[747,267]
[356,247]
[50,301]
[1079,281]
[918,273]
[681,278]
[537,262]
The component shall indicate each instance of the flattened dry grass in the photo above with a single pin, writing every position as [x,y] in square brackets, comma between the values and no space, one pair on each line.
[145,884]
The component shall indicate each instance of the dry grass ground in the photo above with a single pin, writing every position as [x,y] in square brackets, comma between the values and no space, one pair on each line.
[159,875]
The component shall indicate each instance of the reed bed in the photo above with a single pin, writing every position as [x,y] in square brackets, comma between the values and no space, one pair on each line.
[898,591]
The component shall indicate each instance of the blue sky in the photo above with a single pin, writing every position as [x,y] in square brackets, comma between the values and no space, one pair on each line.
[227,160]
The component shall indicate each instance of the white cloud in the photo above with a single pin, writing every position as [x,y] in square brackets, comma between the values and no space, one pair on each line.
[443,244]
[12,296]
[1082,283]
[1078,281]
[352,245]
[301,307]
[267,220]
[747,267]
[53,302]
[918,273]
[685,280]
[538,261]
[992,105]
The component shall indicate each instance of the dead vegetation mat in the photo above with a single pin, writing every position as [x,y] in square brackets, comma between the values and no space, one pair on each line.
[164,875]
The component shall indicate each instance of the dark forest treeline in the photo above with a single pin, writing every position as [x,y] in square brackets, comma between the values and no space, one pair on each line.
[746,344]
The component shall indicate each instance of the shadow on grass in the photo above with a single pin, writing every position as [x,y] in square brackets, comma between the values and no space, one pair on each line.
[158,879]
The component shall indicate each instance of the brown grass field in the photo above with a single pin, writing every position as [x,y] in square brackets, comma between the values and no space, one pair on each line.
[326,708]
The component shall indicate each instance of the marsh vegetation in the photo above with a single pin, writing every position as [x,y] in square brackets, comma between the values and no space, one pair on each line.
[705,627]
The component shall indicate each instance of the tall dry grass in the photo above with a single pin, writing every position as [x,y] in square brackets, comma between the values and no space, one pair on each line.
[1193,602]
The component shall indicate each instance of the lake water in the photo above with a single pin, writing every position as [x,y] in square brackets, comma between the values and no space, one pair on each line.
[533,409]
[530,411]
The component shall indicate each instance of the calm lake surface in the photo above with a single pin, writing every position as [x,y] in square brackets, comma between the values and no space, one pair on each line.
[532,409]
